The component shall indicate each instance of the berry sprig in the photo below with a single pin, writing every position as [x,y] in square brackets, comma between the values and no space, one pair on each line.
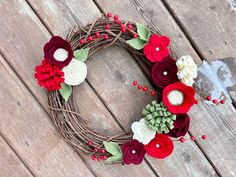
[192,138]
[214,101]
[145,89]
[102,152]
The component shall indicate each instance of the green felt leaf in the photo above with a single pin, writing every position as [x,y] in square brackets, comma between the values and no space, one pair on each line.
[81,54]
[113,159]
[112,148]
[137,43]
[143,32]
[65,91]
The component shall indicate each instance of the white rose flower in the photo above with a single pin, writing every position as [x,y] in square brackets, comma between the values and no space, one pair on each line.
[142,132]
[187,70]
[75,73]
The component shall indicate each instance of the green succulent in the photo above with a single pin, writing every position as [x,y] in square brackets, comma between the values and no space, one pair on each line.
[158,117]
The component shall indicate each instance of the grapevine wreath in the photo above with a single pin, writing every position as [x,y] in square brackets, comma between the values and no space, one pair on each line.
[163,122]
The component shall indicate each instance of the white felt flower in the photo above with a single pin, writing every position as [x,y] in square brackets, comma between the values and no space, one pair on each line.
[187,70]
[142,132]
[75,73]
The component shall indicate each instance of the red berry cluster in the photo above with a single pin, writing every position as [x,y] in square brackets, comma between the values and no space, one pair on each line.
[192,138]
[102,151]
[215,101]
[49,76]
[144,88]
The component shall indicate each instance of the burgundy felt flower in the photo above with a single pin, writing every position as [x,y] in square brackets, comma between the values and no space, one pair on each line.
[157,48]
[58,52]
[178,97]
[49,76]
[164,72]
[160,147]
[133,152]
[181,126]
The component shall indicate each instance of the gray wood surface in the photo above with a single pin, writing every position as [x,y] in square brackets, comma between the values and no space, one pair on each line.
[108,92]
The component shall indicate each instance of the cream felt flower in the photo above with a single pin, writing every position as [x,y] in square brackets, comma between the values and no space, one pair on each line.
[142,132]
[187,70]
[75,73]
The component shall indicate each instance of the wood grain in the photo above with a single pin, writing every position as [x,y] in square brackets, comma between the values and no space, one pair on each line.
[155,11]
[11,165]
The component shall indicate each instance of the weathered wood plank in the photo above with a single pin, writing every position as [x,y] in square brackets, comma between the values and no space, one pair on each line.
[30,132]
[21,51]
[156,13]
[11,165]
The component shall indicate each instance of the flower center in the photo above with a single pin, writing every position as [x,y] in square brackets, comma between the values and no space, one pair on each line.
[133,151]
[157,145]
[175,97]
[60,54]
[157,49]
[165,73]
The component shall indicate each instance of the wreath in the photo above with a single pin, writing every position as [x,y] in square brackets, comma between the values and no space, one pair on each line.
[64,67]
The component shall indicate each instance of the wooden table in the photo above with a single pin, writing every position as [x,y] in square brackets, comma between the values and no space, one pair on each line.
[29,143]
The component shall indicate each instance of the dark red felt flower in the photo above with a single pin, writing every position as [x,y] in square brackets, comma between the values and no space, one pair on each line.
[160,147]
[133,152]
[188,97]
[58,52]
[157,48]
[164,72]
[49,76]
[181,126]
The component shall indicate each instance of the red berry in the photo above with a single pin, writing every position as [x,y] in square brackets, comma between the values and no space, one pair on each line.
[182,140]
[192,138]
[196,101]
[122,25]
[99,158]
[90,38]
[97,35]
[145,89]
[108,27]
[123,30]
[95,149]
[90,143]
[204,137]
[139,87]
[135,35]
[116,21]
[116,17]
[103,151]
[94,157]
[109,14]
[104,157]
[82,41]
[130,26]
[208,98]
[222,101]
[105,36]
[153,93]
[135,83]
[214,101]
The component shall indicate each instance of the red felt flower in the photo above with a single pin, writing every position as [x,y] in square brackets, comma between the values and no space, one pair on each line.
[188,97]
[181,126]
[49,76]
[157,48]
[160,147]
[58,52]
[133,152]
[164,72]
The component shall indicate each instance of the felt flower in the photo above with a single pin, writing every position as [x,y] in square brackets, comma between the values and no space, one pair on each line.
[133,152]
[178,97]
[50,77]
[187,70]
[58,52]
[157,48]
[160,147]
[75,73]
[181,126]
[164,72]
[142,132]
